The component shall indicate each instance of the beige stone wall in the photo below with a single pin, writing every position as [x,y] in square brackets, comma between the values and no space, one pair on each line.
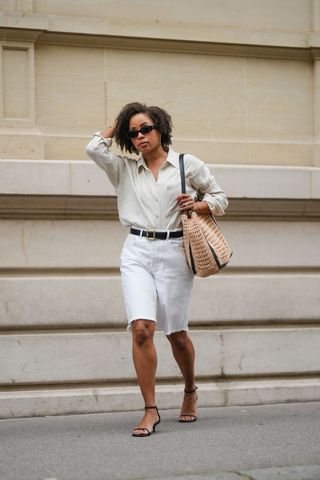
[239,78]
[226,109]
[241,81]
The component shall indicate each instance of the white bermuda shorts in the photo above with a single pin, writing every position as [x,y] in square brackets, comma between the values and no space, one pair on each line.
[156,282]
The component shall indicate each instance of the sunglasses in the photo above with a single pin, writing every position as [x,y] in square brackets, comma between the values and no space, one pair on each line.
[144,130]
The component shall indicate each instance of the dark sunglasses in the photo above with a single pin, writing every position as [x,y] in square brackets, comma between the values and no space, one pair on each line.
[144,130]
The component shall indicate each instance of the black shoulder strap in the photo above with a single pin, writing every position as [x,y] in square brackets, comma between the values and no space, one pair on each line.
[182,174]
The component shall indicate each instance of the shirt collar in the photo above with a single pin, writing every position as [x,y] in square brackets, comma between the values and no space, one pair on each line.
[172,158]
[141,163]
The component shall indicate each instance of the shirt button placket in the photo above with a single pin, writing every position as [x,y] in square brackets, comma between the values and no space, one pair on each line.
[158,211]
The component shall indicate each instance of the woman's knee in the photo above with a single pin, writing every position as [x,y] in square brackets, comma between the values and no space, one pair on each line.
[142,331]
[179,340]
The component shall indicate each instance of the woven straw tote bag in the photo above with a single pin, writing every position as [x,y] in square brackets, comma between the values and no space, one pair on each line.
[206,248]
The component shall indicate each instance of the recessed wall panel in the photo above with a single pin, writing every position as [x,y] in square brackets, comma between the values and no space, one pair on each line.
[15,83]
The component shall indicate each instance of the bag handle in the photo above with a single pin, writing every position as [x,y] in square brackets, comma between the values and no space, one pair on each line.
[182,174]
[183,178]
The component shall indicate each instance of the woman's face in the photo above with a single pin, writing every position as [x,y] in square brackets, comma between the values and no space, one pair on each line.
[146,141]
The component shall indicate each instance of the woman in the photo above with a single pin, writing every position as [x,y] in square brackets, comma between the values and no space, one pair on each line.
[156,280]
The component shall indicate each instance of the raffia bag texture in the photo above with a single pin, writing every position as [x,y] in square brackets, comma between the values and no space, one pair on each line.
[206,248]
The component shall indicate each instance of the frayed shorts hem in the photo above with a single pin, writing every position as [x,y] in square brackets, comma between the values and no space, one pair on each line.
[177,331]
[129,327]
[167,333]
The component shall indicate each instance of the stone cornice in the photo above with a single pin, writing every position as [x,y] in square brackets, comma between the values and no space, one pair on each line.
[78,189]
[176,37]
[44,207]
[84,178]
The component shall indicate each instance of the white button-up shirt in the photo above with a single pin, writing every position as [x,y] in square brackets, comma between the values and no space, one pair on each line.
[151,204]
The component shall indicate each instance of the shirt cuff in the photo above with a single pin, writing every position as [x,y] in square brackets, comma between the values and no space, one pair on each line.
[212,204]
[106,141]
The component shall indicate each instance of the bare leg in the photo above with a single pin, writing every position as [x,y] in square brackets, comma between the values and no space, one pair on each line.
[183,352]
[145,362]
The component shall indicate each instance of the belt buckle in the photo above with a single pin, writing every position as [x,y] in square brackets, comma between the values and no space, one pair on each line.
[151,235]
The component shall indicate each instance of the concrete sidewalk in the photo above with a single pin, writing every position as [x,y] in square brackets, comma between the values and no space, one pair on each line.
[227,443]
[299,472]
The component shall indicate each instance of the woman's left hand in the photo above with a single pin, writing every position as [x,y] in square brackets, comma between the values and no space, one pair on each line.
[185,201]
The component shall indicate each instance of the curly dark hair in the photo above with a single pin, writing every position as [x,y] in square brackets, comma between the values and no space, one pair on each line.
[161,118]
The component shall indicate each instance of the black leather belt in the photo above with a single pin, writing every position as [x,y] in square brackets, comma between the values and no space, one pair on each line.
[153,235]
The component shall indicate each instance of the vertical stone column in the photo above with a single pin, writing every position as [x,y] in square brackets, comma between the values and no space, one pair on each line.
[314,43]
[316,158]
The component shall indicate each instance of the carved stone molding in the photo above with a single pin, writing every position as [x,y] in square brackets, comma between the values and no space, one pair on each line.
[105,208]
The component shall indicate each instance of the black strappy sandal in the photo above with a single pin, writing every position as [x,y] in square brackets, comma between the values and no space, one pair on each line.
[192,416]
[144,430]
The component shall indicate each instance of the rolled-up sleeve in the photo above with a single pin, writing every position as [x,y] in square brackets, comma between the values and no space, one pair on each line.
[98,149]
[204,182]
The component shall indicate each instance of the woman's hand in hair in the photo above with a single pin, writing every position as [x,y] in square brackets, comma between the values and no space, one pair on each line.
[109,131]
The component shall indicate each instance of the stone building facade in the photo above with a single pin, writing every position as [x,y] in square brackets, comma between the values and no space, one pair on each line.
[241,80]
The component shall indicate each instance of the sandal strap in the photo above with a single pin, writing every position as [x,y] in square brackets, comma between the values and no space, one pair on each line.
[191,391]
[144,432]
[143,429]
[154,407]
